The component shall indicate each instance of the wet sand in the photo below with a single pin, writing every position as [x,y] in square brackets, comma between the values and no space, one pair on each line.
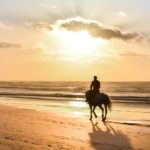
[23,129]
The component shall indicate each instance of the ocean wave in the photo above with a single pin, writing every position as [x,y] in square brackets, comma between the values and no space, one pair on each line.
[69,95]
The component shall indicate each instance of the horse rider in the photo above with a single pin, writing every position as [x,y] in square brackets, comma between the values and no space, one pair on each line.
[95,86]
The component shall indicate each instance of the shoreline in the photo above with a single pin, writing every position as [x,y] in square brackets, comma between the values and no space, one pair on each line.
[120,114]
[30,129]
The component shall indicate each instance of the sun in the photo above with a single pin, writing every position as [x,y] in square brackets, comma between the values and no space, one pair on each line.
[77,44]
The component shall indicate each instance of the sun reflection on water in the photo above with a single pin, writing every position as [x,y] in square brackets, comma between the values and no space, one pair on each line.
[78,104]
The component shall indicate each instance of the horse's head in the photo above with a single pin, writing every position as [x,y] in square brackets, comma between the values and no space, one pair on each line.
[88,95]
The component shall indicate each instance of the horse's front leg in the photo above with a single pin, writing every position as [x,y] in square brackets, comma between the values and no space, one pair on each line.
[90,112]
[94,111]
[105,113]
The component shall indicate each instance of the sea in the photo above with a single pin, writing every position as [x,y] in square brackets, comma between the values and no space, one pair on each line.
[130,100]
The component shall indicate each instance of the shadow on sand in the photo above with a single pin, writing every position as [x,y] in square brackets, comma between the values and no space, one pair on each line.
[108,138]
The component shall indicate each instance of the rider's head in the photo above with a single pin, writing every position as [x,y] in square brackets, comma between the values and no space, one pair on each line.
[95,77]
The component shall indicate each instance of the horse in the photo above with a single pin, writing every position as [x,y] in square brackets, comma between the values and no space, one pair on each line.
[99,100]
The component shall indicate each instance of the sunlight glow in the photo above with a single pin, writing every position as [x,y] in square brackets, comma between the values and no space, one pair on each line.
[78,44]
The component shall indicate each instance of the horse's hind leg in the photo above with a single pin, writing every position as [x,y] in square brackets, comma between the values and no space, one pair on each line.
[94,111]
[90,112]
[100,106]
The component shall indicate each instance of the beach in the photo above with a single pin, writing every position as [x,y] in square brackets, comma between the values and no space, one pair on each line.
[54,116]
[74,75]
[36,130]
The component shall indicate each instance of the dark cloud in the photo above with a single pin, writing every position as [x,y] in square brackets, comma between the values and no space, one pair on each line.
[93,27]
[9,45]
[97,29]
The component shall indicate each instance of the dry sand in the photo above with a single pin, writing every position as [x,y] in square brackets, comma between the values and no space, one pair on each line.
[22,129]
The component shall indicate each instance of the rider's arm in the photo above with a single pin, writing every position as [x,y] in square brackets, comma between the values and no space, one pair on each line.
[91,85]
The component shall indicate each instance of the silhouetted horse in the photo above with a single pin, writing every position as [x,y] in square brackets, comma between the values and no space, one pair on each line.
[98,100]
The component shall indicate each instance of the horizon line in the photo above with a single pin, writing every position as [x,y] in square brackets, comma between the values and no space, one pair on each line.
[70,81]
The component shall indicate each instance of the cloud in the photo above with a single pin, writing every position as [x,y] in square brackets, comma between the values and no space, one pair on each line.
[9,45]
[97,29]
[121,13]
[3,26]
[46,5]
[132,54]
[40,25]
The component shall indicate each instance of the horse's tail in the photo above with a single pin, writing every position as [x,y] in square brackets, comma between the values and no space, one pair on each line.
[110,105]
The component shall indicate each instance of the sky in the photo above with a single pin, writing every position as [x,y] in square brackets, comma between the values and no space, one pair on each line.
[73,40]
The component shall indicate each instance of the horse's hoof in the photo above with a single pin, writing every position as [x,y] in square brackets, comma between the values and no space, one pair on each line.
[103,119]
